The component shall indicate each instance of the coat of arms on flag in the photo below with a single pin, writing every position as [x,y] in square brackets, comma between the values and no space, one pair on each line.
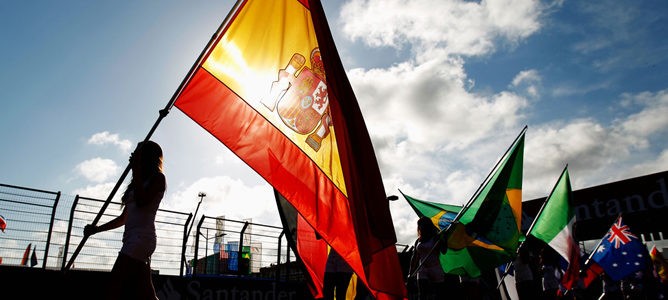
[301,96]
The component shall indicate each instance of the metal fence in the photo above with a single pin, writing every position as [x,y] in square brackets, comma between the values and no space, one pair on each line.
[230,247]
[29,215]
[43,228]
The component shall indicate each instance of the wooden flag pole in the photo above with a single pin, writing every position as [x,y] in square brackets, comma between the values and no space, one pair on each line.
[468,204]
[162,114]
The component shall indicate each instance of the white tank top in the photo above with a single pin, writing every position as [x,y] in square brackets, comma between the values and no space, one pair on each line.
[141,220]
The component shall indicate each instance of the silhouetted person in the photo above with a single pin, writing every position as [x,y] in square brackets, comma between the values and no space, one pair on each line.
[549,267]
[524,282]
[430,276]
[337,277]
[611,288]
[131,273]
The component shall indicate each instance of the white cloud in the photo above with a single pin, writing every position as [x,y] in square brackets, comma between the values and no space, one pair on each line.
[651,118]
[597,153]
[98,169]
[529,76]
[569,89]
[420,113]
[103,138]
[456,27]
[227,197]
[421,118]
[529,80]
[98,191]
[659,164]
[428,106]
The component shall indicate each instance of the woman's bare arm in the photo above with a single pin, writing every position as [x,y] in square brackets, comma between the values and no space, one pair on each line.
[113,224]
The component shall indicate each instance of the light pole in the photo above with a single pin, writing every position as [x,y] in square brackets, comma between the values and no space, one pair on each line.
[201,196]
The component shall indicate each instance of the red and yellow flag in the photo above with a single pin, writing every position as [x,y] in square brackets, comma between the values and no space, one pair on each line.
[660,264]
[273,90]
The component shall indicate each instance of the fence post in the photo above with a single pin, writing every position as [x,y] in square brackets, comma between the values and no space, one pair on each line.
[69,231]
[278,258]
[185,242]
[287,261]
[199,226]
[241,248]
[48,237]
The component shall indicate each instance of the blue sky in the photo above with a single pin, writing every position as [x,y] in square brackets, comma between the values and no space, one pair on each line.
[444,87]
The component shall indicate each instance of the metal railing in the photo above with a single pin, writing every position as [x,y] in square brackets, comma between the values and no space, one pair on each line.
[52,224]
[30,215]
[229,247]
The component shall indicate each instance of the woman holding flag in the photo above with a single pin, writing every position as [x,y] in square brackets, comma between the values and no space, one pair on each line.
[131,273]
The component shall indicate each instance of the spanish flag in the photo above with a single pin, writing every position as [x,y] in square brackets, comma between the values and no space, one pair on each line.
[272,89]
[310,249]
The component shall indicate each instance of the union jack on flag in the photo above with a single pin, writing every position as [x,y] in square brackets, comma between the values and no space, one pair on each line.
[620,233]
[620,252]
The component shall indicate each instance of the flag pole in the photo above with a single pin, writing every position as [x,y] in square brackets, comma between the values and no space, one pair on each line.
[477,192]
[162,114]
[545,203]
[468,204]
[533,223]
[600,241]
[594,251]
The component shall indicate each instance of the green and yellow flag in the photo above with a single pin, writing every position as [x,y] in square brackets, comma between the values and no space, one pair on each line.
[487,233]
[440,214]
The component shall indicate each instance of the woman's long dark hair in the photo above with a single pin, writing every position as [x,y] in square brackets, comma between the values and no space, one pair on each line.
[427,229]
[151,164]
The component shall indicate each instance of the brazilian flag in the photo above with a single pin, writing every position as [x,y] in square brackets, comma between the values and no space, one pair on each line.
[440,214]
[487,233]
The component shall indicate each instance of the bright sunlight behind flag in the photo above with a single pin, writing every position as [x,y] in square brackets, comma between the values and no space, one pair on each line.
[273,90]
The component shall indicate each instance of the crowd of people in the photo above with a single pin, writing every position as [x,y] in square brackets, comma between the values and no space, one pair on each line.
[537,272]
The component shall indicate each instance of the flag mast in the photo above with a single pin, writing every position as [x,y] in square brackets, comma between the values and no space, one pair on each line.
[477,192]
[600,241]
[545,203]
[468,204]
[533,223]
[162,114]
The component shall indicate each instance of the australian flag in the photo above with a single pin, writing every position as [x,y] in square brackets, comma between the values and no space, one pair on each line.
[620,253]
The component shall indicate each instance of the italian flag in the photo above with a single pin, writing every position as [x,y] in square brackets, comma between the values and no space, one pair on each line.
[554,226]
